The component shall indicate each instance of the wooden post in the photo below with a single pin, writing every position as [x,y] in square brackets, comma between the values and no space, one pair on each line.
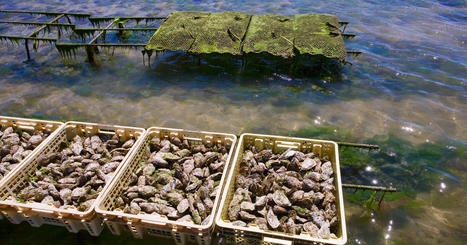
[358,145]
[149,52]
[244,63]
[27,49]
[68,18]
[370,187]
[90,52]
[381,199]
[120,31]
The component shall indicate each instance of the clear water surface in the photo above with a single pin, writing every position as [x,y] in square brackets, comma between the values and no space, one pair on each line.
[407,93]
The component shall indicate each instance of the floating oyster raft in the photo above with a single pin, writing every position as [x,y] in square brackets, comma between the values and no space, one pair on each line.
[239,33]
[199,33]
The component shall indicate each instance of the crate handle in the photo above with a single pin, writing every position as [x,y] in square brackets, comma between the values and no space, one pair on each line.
[270,240]
[287,144]
[42,210]
[153,222]
[104,131]
[26,127]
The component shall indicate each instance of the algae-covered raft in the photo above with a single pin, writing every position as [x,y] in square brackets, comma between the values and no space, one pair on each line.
[239,33]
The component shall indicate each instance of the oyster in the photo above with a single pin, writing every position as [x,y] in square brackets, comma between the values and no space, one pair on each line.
[292,192]
[178,180]
[76,173]
[16,144]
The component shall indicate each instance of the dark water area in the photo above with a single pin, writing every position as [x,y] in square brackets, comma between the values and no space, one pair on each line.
[406,93]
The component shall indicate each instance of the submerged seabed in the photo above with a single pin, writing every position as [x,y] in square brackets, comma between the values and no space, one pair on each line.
[407,93]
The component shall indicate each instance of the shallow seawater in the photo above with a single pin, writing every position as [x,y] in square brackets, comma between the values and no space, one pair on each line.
[406,93]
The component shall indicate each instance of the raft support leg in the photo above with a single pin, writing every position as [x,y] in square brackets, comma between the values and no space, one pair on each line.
[381,199]
[91,53]
[120,32]
[68,18]
[27,50]
[149,52]
[244,63]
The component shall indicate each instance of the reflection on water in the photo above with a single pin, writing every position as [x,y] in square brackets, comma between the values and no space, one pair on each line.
[407,93]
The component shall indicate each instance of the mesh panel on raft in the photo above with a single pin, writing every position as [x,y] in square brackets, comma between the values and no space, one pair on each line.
[221,33]
[271,34]
[319,34]
[178,32]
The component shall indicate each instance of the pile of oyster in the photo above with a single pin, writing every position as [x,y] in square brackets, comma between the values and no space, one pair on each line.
[176,179]
[75,174]
[15,145]
[290,192]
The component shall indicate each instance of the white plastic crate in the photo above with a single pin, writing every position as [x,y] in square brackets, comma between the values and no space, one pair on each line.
[141,224]
[37,214]
[30,125]
[252,235]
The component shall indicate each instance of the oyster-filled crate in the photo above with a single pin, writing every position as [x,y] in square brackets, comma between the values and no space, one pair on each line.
[29,125]
[37,214]
[158,225]
[253,234]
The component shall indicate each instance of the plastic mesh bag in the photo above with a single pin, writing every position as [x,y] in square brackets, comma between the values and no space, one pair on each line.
[178,32]
[271,34]
[222,32]
[319,34]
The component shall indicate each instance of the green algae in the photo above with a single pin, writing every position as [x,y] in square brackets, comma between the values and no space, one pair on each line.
[178,32]
[319,34]
[315,24]
[78,16]
[222,32]
[238,33]
[68,51]
[84,33]
[271,34]
[15,40]
[98,21]
[400,163]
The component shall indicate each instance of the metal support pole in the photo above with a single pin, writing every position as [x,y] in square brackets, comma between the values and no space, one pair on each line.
[68,18]
[358,145]
[35,32]
[370,187]
[90,52]
[120,32]
[149,53]
[100,33]
[381,199]
[27,49]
